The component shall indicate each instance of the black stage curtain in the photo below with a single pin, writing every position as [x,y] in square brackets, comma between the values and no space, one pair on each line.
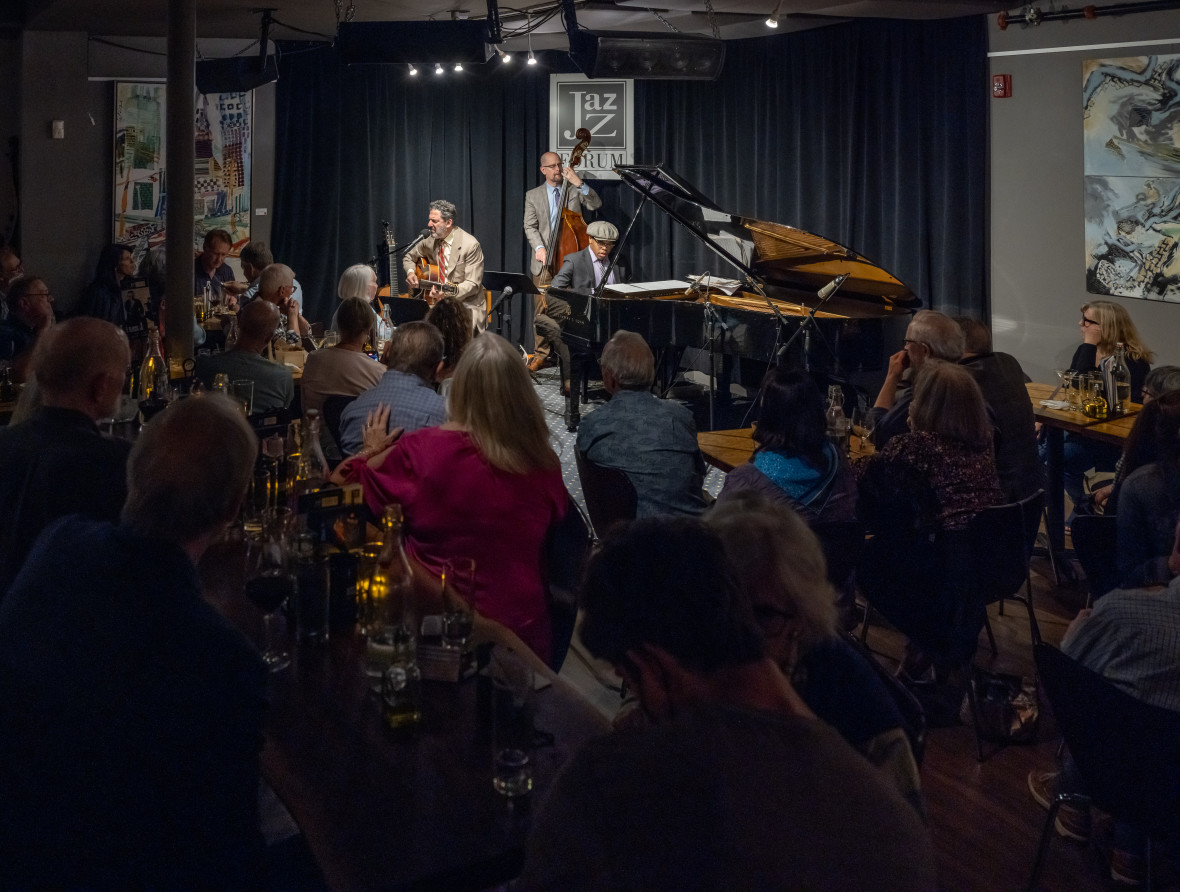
[873,134]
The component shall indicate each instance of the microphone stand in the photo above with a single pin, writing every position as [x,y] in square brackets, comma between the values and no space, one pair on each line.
[504,295]
[825,294]
[711,323]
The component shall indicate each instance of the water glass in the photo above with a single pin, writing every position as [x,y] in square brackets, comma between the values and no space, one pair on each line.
[242,390]
[458,598]
[1075,384]
[512,723]
[331,337]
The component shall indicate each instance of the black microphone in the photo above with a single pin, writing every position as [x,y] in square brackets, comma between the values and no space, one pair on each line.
[504,295]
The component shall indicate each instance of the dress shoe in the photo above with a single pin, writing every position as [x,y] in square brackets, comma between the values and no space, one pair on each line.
[1073,821]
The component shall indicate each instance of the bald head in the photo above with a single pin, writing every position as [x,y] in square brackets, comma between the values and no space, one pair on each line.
[628,362]
[257,322]
[273,280]
[551,168]
[81,364]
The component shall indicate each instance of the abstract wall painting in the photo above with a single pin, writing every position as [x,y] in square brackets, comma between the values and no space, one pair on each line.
[224,139]
[1131,126]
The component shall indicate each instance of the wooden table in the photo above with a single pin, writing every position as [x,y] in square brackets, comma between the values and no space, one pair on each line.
[1056,422]
[727,449]
[383,809]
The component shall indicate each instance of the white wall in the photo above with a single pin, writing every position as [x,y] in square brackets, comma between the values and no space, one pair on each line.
[1038,281]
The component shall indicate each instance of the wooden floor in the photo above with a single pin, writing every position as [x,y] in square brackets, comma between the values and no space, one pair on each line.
[985,824]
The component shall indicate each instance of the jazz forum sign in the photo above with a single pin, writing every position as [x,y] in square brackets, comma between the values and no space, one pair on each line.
[604,107]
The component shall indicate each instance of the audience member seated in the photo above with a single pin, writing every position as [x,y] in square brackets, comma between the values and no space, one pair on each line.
[274,386]
[1149,503]
[920,486]
[30,313]
[781,569]
[1131,637]
[1104,324]
[930,335]
[1001,380]
[129,751]
[359,280]
[794,463]
[210,267]
[276,285]
[485,485]
[1140,447]
[451,317]
[733,784]
[653,441]
[103,297]
[11,269]
[405,391]
[56,463]
[256,257]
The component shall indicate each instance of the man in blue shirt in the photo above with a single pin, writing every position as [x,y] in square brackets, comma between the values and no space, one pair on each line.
[413,358]
[653,441]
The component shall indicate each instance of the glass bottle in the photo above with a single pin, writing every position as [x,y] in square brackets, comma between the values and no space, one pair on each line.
[384,329]
[1120,375]
[401,679]
[153,371]
[231,333]
[837,421]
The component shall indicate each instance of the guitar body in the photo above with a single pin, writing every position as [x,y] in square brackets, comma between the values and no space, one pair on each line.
[430,277]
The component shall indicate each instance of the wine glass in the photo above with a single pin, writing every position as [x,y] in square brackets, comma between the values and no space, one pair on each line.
[1061,374]
[866,421]
[458,597]
[269,580]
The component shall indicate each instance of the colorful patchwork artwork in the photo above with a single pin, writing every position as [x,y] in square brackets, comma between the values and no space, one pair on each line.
[1131,126]
[223,133]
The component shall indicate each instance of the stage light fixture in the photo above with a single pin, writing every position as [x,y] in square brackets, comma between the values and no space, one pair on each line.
[458,66]
[505,57]
[772,21]
[438,69]
[532,58]
[413,70]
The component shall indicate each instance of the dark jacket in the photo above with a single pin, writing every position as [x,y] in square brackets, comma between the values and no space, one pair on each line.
[577,272]
[1001,379]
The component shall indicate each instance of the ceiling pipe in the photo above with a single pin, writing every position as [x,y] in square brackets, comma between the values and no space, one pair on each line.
[1033,15]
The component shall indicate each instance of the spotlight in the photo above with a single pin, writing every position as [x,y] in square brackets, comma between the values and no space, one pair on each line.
[505,57]
[458,66]
[772,21]
[413,70]
[532,58]
[438,69]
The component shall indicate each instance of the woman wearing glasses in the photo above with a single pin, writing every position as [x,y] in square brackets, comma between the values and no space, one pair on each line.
[1103,325]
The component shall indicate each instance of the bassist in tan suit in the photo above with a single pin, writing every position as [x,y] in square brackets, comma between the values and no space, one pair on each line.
[459,260]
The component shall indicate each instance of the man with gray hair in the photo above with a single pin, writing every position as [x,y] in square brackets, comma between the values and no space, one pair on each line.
[459,261]
[652,441]
[274,385]
[276,285]
[255,257]
[129,752]
[57,463]
[413,357]
[930,335]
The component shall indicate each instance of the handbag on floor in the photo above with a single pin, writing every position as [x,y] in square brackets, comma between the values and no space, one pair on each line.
[1008,710]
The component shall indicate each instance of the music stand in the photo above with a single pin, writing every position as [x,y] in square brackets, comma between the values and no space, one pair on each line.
[496,282]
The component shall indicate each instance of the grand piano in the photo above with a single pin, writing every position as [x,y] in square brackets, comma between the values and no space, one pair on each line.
[781,270]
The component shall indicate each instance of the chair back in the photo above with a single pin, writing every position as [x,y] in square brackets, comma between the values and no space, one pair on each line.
[913,716]
[610,495]
[334,407]
[1000,552]
[842,542]
[1095,542]
[566,550]
[1127,751]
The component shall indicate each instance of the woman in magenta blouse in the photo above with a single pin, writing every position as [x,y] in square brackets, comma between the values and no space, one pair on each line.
[485,485]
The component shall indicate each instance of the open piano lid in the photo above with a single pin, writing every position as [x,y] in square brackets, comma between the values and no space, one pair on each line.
[768,253]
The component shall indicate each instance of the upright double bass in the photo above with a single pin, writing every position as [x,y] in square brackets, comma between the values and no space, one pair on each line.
[567,234]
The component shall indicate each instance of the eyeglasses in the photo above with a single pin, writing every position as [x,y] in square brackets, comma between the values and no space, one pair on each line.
[908,341]
[549,166]
[1085,321]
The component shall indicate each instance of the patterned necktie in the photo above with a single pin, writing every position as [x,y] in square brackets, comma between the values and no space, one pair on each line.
[442,261]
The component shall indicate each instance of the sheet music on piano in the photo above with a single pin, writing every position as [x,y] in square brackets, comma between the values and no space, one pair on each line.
[639,290]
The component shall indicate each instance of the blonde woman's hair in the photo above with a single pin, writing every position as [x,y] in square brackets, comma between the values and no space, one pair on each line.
[493,398]
[947,401]
[778,561]
[1115,325]
[354,282]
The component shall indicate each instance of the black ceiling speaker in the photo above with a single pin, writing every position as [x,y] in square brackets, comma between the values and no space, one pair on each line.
[388,43]
[237,75]
[643,55]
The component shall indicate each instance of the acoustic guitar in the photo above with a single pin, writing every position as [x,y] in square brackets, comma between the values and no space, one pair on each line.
[429,277]
[387,291]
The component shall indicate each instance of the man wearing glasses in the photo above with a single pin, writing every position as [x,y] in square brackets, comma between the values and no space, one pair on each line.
[582,271]
[931,335]
[30,312]
[541,210]
[276,285]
